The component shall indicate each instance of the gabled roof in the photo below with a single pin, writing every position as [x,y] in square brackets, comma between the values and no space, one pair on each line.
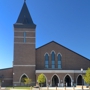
[63,47]
[24,18]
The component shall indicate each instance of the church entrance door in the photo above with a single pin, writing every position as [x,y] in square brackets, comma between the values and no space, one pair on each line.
[79,80]
[55,81]
[68,81]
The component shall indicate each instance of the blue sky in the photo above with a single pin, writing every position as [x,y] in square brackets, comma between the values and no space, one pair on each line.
[64,21]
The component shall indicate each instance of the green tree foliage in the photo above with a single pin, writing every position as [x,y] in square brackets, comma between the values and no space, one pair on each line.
[41,79]
[27,81]
[87,77]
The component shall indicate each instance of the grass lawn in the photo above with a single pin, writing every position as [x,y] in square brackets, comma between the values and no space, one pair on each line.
[25,88]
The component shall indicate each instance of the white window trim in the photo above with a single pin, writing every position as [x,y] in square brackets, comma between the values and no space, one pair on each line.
[60,54]
[53,51]
[46,53]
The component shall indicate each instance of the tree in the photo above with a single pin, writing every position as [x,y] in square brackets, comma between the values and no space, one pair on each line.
[87,77]
[27,81]
[41,79]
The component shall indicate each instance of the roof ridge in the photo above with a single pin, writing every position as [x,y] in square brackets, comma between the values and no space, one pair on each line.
[64,47]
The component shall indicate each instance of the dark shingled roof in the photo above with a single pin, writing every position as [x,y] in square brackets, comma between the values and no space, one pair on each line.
[24,19]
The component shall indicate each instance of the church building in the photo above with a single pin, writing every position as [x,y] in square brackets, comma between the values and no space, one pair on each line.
[59,64]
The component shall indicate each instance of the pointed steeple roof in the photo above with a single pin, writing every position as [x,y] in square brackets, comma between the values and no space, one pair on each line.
[24,19]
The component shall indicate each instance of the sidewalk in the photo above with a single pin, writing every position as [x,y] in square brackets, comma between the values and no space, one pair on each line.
[60,88]
[2,88]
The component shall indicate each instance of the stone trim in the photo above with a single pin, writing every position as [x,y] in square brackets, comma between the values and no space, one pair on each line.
[59,71]
[46,53]
[22,76]
[16,82]
[24,31]
[24,65]
[52,51]
[69,76]
[8,78]
[60,54]
[23,43]
[22,37]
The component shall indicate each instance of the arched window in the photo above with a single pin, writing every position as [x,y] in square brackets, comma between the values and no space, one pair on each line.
[53,59]
[59,61]
[46,61]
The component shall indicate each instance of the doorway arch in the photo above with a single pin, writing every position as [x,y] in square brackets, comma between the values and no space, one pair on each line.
[21,80]
[44,84]
[55,81]
[79,80]
[67,81]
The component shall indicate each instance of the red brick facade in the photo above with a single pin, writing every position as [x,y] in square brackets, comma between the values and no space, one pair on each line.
[6,76]
[30,62]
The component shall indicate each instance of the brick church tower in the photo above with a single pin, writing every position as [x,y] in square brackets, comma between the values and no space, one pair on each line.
[24,47]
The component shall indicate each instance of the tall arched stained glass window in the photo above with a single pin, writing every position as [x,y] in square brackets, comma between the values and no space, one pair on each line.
[53,59]
[46,61]
[59,61]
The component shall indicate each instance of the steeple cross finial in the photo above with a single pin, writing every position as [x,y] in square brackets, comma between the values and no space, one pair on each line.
[24,0]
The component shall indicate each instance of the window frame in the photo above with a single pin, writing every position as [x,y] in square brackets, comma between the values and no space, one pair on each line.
[59,59]
[24,34]
[46,56]
[53,60]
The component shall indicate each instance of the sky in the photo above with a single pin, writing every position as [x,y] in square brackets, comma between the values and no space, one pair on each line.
[65,21]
